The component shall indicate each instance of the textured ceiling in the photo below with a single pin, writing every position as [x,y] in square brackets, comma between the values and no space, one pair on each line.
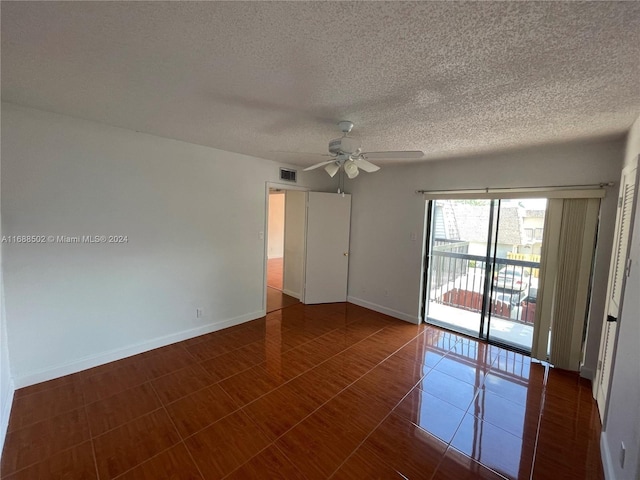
[447,78]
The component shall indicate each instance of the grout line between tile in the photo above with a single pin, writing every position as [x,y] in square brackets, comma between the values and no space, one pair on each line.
[82,407]
[162,451]
[175,427]
[162,407]
[53,387]
[142,463]
[374,429]
[327,401]
[52,455]
[265,341]
[542,402]
[29,425]
[123,424]
[306,371]
[131,419]
[93,447]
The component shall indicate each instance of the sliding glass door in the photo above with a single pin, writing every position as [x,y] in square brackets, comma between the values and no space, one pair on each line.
[483,267]
[459,247]
[516,272]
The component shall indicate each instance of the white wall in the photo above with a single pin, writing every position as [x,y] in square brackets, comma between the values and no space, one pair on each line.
[275,243]
[385,262]
[622,423]
[6,382]
[294,243]
[193,216]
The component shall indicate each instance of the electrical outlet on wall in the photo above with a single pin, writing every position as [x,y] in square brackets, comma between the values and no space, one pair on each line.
[198,313]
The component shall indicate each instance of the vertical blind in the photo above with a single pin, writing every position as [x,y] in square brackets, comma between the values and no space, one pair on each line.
[566,260]
[565,267]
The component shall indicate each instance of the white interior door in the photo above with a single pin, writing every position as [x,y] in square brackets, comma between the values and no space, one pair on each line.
[295,210]
[327,255]
[617,275]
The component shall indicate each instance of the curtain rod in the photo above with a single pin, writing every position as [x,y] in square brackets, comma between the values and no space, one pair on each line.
[520,189]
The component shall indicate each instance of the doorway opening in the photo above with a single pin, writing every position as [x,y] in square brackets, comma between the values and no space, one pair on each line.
[275,240]
[285,246]
[483,268]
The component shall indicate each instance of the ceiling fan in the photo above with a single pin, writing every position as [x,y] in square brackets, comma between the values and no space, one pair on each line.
[346,153]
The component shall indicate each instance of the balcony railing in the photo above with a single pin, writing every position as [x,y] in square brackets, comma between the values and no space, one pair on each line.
[458,280]
[446,246]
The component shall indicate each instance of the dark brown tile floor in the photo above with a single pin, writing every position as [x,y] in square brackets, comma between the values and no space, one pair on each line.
[277,300]
[309,392]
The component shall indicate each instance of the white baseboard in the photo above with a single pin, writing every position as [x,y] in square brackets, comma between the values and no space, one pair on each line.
[7,402]
[605,455]
[91,361]
[380,309]
[291,293]
[587,373]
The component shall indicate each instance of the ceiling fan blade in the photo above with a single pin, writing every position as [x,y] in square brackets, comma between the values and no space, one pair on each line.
[366,165]
[407,155]
[306,154]
[318,165]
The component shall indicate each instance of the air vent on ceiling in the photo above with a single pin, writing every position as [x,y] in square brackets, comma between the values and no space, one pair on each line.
[288,175]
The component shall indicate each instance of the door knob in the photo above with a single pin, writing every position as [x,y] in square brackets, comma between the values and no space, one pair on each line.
[346,254]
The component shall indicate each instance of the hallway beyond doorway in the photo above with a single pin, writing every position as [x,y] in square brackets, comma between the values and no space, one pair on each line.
[275,272]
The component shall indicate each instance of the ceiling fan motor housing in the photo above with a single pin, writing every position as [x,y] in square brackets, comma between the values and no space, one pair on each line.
[346,145]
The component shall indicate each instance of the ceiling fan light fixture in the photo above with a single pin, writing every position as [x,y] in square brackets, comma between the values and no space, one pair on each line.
[346,152]
[351,169]
[332,169]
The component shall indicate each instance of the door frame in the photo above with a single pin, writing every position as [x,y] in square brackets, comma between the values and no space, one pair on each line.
[327,247]
[277,186]
[490,257]
[596,388]
[486,312]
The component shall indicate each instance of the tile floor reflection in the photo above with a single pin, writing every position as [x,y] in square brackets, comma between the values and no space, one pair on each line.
[310,392]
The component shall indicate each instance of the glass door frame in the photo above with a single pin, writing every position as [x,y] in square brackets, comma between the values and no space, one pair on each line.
[489,270]
[490,265]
